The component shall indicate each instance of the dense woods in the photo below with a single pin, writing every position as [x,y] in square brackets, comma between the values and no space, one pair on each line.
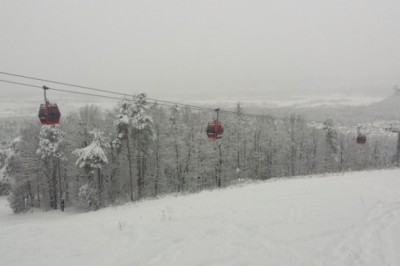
[138,150]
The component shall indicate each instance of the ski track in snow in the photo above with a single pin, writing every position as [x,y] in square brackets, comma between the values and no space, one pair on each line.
[339,219]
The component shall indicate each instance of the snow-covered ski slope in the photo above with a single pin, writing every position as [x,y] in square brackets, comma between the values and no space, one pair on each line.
[342,219]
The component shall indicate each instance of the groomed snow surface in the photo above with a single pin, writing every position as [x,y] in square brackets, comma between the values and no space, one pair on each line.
[343,219]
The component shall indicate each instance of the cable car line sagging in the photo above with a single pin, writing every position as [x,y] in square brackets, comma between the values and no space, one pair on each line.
[214,129]
[161,102]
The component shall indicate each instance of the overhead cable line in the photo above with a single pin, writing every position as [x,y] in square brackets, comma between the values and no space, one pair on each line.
[163,103]
[73,92]
[160,102]
[104,91]
[62,83]
[60,90]
[20,83]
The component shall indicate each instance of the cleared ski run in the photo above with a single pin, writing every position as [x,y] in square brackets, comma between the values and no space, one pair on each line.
[336,219]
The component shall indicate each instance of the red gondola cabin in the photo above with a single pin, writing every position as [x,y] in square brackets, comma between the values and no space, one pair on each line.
[49,114]
[214,130]
[361,139]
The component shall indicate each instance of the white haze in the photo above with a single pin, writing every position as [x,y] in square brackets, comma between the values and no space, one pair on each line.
[202,49]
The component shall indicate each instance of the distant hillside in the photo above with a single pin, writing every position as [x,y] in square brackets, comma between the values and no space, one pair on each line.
[10,127]
[386,109]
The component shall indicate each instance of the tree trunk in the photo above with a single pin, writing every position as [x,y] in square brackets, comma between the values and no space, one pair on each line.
[59,178]
[38,190]
[269,159]
[187,166]
[100,185]
[220,166]
[293,149]
[238,156]
[398,150]
[54,185]
[244,158]
[177,168]
[66,187]
[141,164]
[130,166]
[139,174]
[31,203]
[157,168]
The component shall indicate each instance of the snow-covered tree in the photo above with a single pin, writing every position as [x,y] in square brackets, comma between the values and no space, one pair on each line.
[16,199]
[331,147]
[159,123]
[51,139]
[122,119]
[176,145]
[193,132]
[150,150]
[123,131]
[240,131]
[4,183]
[142,130]
[3,153]
[91,158]
[24,171]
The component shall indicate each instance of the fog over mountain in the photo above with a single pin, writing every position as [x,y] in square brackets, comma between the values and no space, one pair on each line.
[205,49]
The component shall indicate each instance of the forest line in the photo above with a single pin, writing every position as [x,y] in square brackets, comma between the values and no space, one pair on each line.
[96,157]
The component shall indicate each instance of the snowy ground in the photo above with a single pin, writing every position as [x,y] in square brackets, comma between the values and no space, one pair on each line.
[349,219]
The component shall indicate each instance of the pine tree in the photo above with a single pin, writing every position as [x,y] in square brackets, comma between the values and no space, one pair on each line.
[123,131]
[142,130]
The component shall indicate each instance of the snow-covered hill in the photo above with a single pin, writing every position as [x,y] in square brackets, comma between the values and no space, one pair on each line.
[342,219]
[20,105]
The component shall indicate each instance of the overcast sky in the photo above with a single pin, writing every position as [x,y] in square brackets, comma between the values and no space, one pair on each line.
[205,47]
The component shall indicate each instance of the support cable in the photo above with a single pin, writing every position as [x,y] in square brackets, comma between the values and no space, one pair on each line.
[160,102]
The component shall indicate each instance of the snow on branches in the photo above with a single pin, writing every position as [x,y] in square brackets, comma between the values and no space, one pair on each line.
[50,141]
[122,122]
[140,118]
[331,138]
[10,153]
[93,156]
[133,116]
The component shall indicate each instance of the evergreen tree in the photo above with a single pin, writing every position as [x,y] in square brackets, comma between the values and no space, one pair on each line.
[142,131]
[123,132]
